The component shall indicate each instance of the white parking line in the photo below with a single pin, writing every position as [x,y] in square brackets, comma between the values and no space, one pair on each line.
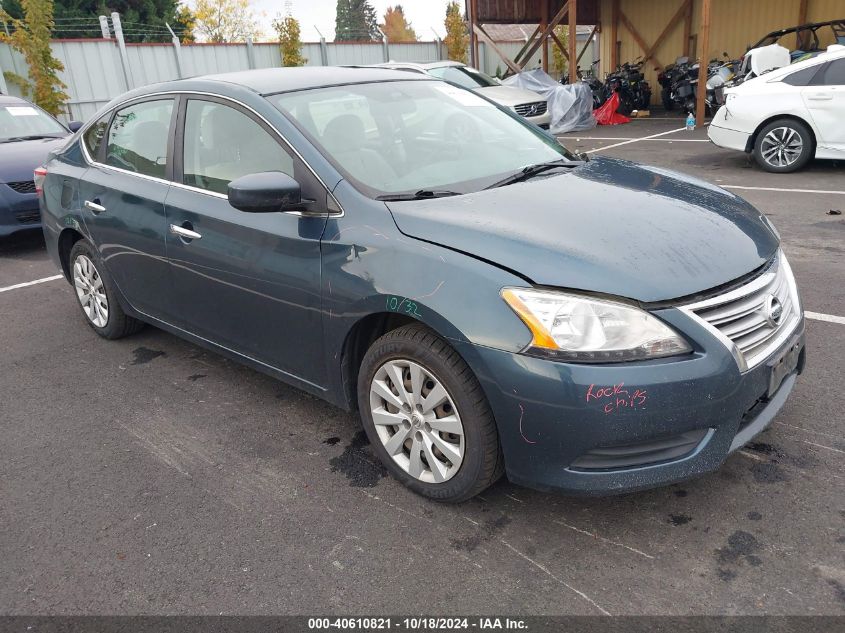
[781,190]
[628,138]
[32,283]
[635,140]
[830,318]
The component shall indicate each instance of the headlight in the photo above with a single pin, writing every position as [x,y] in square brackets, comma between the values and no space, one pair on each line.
[588,330]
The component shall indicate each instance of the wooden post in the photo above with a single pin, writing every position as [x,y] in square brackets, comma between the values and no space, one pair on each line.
[702,58]
[614,37]
[472,18]
[802,19]
[535,45]
[544,22]
[687,30]
[573,41]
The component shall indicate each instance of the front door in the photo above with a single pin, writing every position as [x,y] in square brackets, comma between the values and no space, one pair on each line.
[122,197]
[249,282]
[825,99]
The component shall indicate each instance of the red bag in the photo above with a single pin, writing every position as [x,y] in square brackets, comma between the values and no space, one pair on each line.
[606,114]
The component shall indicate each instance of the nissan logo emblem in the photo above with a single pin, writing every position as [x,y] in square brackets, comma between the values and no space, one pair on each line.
[772,310]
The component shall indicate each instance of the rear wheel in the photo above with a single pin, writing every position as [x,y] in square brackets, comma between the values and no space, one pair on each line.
[783,146]
[97,295]
[427,417]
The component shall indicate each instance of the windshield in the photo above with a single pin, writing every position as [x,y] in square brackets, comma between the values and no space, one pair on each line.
[464,76]
[24,120]
[406,136]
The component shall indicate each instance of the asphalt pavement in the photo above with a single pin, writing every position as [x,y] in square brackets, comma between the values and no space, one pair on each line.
[149,476]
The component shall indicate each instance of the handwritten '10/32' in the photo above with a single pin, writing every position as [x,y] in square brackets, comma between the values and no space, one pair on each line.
[405,305]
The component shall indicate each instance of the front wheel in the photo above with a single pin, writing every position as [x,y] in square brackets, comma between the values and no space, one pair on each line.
[783,146]
[427,417]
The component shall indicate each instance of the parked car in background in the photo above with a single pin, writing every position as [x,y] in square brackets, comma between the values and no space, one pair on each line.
[789,115]
[525,103]
[27,135]
[488,305]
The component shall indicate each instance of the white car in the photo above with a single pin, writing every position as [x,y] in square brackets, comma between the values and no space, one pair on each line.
[525,103]
[787,116]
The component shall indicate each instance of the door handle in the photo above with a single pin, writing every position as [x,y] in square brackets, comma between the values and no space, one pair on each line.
[820,98]
[93,207]
[184,233]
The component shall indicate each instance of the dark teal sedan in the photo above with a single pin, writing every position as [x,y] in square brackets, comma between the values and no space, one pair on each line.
[489,302]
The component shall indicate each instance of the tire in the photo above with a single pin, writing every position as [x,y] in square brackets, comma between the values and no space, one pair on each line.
[416,348]
[96,294]
[796,139]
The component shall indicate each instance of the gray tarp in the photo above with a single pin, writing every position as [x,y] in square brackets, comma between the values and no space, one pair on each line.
[570,106]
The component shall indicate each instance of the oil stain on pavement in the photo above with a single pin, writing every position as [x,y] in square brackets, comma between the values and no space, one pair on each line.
[360,467]
[144,355]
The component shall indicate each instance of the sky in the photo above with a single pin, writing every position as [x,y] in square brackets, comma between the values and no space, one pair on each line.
[424,15]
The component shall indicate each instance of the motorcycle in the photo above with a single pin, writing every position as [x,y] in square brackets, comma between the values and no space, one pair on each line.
[600,94]
[680,81]
[629,82]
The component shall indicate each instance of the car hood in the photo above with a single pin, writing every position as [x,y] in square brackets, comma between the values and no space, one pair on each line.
[19,159]
[607,226]
[508,96]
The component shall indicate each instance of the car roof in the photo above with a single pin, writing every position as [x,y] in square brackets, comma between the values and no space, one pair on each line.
[419,65]
[10,100]
[273,80]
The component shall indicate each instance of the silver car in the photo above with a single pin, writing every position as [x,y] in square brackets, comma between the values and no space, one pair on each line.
[526,103]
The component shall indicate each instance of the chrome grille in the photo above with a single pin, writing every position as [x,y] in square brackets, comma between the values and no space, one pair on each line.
[535,108]
[754,319]
[24,186]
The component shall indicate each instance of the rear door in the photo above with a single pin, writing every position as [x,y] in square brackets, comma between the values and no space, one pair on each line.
[249,282]
[122,198]
[825,99]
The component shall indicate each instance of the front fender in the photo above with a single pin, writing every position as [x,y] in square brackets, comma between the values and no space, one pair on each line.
[371,268]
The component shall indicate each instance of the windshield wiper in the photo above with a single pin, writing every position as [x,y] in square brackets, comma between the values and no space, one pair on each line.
[422,194]
[30,137]
[533,170]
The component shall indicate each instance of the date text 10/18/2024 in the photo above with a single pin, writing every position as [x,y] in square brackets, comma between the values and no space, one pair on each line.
[417,624]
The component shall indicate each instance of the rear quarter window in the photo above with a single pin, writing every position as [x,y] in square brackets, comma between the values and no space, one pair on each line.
[802,77]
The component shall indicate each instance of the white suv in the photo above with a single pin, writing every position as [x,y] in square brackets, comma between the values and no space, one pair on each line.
[789,115]
[525,103]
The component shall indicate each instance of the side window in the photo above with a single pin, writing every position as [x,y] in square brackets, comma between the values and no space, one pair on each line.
[222,144]
[802,77]
[93,137]
[833,74]
[137,139]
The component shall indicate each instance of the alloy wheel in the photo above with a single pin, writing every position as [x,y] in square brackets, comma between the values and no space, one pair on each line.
[781,147]
[90,291]
[417,421]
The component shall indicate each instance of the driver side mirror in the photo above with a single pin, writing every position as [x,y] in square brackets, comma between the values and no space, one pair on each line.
[265,192]
[74,126]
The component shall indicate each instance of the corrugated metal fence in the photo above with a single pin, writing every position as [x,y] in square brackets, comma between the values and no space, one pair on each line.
[94,72]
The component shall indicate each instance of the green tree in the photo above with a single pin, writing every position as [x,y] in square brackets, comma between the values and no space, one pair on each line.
[290,43]
[183,24]
[396,28]
[224,20]
[559,63]
[457,38]
[31,37]
[355,20]
[143,20]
